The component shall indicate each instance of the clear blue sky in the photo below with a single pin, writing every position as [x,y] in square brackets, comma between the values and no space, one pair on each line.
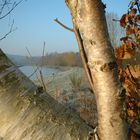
[34,22]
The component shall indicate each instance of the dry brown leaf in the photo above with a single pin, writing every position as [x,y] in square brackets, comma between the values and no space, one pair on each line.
[130,77]
[131,113]
[137,18]
[131,105]
[124,52]
[138,104]
[129,43]
[136,29]
[124,39]
[133,12]
[120,52]
[129,53]
[123,20]
[129,30]
[133,136]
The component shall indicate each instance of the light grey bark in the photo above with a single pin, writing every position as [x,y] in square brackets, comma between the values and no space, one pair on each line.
[88,16]
[26,114]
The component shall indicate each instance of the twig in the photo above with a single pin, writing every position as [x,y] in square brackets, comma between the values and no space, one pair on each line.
[13,7]
[33,73]
[83,56]
[41,75]
[42,80]
[51,80]
[28,52]
[64,26]
[43,54]
[10,31]
[117,20]
[33,66]
[81,49]
[2,8]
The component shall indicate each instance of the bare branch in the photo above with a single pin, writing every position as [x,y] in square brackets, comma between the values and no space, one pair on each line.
[33,72]
[83,56]
[117,20]
[3,5]
[64,26]
[42,80]
[43,54]
[82,51]
[41,75]
[35,69]
[9,10]
[10,31]
[13,7]
[28,52]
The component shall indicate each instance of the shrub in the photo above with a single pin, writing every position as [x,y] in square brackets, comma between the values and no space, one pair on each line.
[75,80]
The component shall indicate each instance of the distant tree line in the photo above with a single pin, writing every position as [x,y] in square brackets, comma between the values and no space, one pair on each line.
[69,59]
[61,59]
[57,59]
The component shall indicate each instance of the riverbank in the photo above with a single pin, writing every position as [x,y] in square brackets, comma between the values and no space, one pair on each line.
[70,86]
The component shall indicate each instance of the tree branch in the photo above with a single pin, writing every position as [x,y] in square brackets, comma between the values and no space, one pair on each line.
[81,49]
[34,66]
[10,31]
[64,26]
[83,56]
[13,7]
[2,7]
[117,20]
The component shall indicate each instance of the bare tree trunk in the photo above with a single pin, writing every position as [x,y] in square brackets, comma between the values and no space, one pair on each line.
[29,114]
[88,16]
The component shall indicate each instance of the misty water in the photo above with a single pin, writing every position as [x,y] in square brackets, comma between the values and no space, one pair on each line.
[33,71]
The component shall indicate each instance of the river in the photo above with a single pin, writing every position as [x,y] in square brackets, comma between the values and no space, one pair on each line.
[33,71]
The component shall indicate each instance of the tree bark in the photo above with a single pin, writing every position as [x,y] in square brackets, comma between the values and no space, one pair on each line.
[89,17]
[28,114]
